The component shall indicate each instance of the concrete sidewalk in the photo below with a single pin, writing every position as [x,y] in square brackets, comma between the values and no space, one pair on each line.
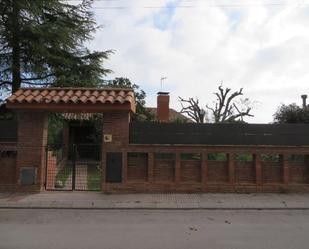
[93,200]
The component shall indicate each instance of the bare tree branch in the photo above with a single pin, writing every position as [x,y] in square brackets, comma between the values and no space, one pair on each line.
[224,110]
[192,109]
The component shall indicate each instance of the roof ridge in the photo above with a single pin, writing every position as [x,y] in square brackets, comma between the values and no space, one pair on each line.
[77,88]
[107,98]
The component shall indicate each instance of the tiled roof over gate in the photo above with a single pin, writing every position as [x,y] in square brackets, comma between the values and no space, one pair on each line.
[56,97]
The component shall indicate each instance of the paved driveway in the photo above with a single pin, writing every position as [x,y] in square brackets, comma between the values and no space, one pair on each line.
[153,229]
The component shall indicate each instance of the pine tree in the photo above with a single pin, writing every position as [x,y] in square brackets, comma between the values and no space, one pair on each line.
[42,43]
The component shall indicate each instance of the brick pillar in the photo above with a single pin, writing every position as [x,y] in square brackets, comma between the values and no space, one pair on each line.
[150,167]
[231,168]
[258,169]
[32,140]
[116,127]
[177,168]
[285,165]
[116,124]
[204,169]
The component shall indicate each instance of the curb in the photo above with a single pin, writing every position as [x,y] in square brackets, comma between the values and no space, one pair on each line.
[158,208]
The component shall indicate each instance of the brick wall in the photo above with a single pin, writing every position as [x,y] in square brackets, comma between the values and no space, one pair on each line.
[148,173]
[176,175]
[137,167]
[210,175]
[116,124]
[7,169]
[32,140]
[164,170]
[190,171]
[245,172]
[217,171]
[272,172]
[298,172]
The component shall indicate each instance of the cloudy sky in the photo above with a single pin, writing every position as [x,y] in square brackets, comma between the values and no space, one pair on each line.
[262,46]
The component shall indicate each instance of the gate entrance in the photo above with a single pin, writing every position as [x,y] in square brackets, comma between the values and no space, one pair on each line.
[73,167]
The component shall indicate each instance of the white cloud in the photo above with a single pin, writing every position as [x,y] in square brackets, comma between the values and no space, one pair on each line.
[261,48]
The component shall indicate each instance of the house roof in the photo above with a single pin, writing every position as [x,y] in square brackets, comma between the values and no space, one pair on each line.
[173,114]
[73,99]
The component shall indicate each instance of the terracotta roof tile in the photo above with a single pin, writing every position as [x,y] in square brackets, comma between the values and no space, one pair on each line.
[72,96]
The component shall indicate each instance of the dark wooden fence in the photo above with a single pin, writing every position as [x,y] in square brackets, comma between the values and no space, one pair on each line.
[219,134]
[8,130]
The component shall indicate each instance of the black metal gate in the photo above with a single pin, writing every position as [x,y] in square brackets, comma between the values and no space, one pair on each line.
[73,167]
[114,167]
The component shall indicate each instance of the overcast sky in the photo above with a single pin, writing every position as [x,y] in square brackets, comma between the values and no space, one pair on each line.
[262,46]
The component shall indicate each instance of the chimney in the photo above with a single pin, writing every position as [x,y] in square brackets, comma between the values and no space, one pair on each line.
[304,97]
[163,108]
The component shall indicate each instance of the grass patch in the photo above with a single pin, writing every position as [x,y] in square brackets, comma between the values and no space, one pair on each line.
[93,177]
[63,175]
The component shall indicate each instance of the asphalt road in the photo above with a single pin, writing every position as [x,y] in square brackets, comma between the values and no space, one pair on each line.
[138,229]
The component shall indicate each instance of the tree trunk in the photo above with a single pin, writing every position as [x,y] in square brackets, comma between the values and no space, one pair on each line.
[16,77]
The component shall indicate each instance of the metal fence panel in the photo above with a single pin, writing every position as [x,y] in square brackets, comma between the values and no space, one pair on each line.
[219,134]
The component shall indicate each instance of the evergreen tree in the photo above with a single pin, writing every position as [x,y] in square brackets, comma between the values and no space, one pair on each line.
[142,113]
[291,114]
[42,43]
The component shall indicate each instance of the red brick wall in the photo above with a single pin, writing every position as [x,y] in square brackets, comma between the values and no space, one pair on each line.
[150,174]
[138,167]
[190,171]
[272,172]
[8,169]
[245,172]
[164,170]
[298,172]
[217,171]
[116,124]
[32,140]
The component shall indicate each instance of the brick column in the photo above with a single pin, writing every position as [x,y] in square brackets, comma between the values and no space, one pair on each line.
[177,168]
[258,169]
[32,140]
[150,167]
[204,170]
[115,124]
[285,165]
[231,168]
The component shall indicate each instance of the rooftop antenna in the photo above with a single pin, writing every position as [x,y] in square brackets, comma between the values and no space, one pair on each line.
[161,82]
